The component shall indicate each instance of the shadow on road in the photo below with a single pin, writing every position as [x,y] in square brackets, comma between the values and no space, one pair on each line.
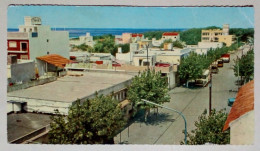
[155,119]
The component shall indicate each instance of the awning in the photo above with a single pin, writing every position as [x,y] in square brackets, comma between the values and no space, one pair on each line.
[55,60]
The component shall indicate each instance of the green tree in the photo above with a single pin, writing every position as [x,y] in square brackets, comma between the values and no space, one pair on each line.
[209,129]
[153,34]
[190,67]
[84,47]
[177,44]
[245,66]
[125,47]
[106,45]
[95,121]
[191,36]
[149,85]
[242,33]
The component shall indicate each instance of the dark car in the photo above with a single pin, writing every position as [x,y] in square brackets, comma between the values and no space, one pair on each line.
[231,101]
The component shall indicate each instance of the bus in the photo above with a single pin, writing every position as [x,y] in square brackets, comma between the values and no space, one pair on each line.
[204,80]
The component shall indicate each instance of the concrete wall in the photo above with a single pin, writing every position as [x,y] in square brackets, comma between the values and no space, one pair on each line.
[13,107]
[242,130]
[126,57]
[43,106]
[168,58]
[228,39]
[22,72]
[151,59]
[210,45]
[30,84]
[201,51]
[54,42]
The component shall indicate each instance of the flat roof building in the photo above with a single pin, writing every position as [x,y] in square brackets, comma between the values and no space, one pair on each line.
[63,92]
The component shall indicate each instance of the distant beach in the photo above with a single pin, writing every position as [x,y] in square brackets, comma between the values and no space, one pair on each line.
[76,32]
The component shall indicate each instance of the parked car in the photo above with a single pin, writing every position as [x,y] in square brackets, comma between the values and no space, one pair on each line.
[220,63]
[225,58]
[231,101]
[214,68]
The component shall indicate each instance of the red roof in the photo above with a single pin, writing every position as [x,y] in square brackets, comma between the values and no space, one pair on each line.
[170,34]
[137,35]
[244,103]
[55,60]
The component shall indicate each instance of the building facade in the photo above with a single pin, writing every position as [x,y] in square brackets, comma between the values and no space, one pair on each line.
[218,35]
[171,35]
[33,40]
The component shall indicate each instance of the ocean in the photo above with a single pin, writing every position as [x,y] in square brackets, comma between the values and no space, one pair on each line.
[76,32]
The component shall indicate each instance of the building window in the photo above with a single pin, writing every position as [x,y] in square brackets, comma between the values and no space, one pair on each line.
[12,44]
[30,29]
[24,46]
[34,34]
[24,57]
[24,30]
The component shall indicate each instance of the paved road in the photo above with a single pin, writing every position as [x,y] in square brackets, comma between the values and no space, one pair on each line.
[168,126]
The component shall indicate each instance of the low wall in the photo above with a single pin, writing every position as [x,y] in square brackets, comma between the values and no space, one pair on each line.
[42,106]
[33,135]
[30,84]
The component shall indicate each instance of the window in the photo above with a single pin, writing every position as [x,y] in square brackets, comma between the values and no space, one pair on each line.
[24,46]
[24,57]
[12,44]
[24,30]
[30,29]
[146,63]
[34,34]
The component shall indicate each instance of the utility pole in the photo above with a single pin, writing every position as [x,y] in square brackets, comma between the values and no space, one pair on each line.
[147,56]
[210,92]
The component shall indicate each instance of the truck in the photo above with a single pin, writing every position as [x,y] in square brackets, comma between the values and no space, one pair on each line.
[225,58]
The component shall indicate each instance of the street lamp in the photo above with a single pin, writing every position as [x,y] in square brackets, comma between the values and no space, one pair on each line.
[185,122]
[147,56]
[210,92]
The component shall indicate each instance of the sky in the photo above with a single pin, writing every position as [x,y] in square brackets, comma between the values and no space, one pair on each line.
[133,17]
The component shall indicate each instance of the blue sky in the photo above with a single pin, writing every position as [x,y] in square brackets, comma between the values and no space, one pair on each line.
[133,17]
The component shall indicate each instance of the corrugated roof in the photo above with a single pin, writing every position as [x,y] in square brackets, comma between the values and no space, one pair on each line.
[170,34]
[244,103]
[55,60]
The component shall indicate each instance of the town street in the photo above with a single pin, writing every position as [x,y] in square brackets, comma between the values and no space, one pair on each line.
[168,126]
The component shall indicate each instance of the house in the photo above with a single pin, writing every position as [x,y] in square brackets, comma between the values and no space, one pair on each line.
[34,39]
[227,39]
[66,90]
[52,65]
[87,40]
[136,37]
[118,39]
[126,38]
[218,35]
[241,118]
[172,57]
[209,45]
[21,71]
[171,35]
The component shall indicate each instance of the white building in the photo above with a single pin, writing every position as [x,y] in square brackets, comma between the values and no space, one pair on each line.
[209,45]
[171,35]
[87,40]
[35,39]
